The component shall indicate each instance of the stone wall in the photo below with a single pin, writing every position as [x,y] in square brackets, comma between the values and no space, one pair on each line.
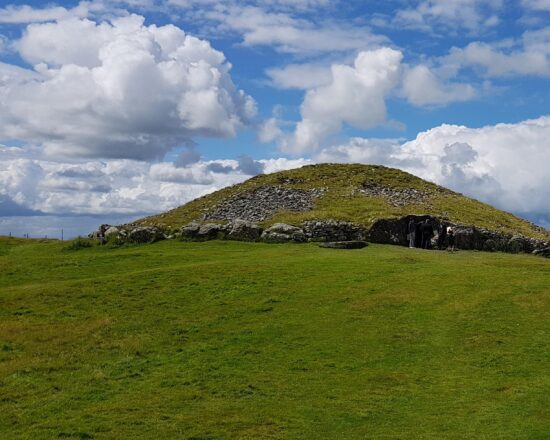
[388,231]
[394,231]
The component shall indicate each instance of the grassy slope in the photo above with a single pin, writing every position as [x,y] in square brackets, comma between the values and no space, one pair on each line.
[342,202]
[226,340]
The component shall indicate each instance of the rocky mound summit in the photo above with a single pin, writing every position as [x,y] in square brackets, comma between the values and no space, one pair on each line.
[337,202]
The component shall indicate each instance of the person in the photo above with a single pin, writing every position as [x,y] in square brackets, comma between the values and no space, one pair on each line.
[450,238]
[427,234]
[412,233]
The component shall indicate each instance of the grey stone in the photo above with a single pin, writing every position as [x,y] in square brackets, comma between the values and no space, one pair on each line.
[543,252]
[263,202]
[113,231]
[395,196]
[211,231]
[283,233]
[242,230]
[333,230]
[190,231]
[145,234]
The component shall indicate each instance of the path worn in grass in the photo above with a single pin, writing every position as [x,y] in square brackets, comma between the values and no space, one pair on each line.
[224,340]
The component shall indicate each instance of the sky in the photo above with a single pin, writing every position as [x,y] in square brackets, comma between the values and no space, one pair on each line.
[112,110]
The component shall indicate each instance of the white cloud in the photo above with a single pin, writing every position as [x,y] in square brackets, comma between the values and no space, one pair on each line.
[27,14]
[528,55]
[472,15]
[269,131]
[249,166]
[287,34]
[282,164]
[187,157]
[24,14]
[300,76]
[360,150]
[10,75]
[505,164]
[167,172]
[118,89]
[115,187]
[355,96]
[536,5]
[531,59]
[3,44]
[422,87]
[275,5]
[512,155]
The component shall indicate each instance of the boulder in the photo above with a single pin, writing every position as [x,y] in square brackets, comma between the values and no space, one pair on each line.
[145,234]
[211,231]
[242,230]
[112,232]
[544,252]
[100,233]
[283,233]
[333,230]
[519,243]
[357,244]
[190,231]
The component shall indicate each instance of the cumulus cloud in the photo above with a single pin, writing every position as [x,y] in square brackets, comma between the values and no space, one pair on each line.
[361,150]
[536,5]
[9,208]
[249,166]
[275,24]
[300,76]
[355,96]
[27,14]
[422,87]
[187,157]
[269,131]
[289,5]
[24,14]
[3,44]
[118,89]
[428,15]
[168,172]
[504,164]
[499,151]
[532,58]
[244,165]
[115,187]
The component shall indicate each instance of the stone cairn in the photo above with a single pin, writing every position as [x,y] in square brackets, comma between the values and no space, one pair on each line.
[237,218]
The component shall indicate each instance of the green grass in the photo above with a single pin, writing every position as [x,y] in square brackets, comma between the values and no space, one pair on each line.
[342,201]
[228,340]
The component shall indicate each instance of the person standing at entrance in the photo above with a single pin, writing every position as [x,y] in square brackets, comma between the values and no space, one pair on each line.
[450,238]
[412,233]
[427,233]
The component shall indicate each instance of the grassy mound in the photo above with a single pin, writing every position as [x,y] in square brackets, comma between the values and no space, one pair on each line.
[343,200]
[231,340]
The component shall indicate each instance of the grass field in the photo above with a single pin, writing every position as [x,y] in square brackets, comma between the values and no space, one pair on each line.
[227,340]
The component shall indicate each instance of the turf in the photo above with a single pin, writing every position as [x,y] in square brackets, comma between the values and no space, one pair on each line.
[227,340]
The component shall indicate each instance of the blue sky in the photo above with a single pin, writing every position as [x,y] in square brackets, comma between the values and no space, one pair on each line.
[114,109]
